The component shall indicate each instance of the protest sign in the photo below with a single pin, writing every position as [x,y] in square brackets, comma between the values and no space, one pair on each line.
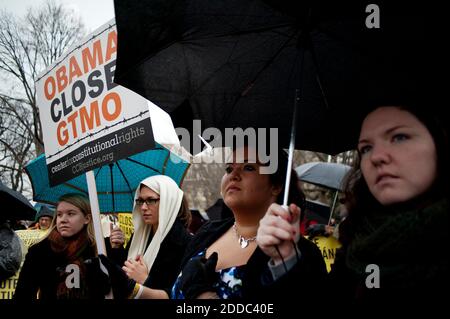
[89,121]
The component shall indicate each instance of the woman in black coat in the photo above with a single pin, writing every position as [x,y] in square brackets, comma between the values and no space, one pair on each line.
[56,267]
[223,260]
[398,213]
[160,219]
[398,209]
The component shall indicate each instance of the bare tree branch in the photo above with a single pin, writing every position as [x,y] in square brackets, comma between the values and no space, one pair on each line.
[27,47]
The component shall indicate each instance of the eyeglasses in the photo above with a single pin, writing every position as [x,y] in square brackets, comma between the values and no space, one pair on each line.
[148,201]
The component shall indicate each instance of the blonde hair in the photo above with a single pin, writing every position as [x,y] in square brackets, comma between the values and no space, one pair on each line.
[82,203]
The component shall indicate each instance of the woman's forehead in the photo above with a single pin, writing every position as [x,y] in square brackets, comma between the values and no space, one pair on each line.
[245,155]
[65,206]
[146,191]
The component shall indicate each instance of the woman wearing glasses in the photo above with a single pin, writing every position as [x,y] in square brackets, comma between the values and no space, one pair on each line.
[222,260]
[160,219]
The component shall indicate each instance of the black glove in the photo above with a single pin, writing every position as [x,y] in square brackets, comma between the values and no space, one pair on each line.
[198,276]
[96,278]
[316,230]
[121,285]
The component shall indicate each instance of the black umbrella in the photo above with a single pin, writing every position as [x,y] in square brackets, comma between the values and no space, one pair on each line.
[238,63]
[14,205]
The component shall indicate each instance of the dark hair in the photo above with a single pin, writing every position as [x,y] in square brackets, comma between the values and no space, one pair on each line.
[360,200]
[184,214]
[278,178]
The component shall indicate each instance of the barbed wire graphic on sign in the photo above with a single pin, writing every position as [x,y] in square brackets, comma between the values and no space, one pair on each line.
[107,127]
[74,49]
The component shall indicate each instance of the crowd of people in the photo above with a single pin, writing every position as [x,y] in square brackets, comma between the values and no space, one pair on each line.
[396,200]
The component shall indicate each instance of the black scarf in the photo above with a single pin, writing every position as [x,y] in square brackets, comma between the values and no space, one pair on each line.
[408,246]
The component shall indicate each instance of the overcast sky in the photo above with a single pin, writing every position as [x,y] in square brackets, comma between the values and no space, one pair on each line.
[93,12]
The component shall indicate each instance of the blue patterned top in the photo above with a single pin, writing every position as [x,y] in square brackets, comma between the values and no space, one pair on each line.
[229,286]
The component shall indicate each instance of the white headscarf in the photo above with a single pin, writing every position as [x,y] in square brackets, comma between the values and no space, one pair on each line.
[171,197]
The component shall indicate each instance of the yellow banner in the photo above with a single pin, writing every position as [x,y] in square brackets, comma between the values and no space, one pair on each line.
[328,247]
[28,238]
[126,224]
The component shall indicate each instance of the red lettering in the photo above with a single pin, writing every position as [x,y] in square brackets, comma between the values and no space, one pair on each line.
[72,122]
[117,106]
[111,45]
[61,134]
[91,58]
[61,77]
[74,69]
[88,120]
[49,95]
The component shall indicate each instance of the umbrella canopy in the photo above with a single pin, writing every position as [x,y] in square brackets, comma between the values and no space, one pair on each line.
[116,183]
[329,175]
[238,63]
[15,206]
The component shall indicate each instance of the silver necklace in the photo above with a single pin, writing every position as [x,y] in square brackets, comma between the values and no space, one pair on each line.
[243,242]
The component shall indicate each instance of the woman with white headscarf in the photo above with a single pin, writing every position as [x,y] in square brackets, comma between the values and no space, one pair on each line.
[160,219]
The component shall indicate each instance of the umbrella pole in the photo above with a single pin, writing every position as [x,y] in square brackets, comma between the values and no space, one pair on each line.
[296,222]
[333,206]
[291,150]
[293,134]
[95,210]
[112,187]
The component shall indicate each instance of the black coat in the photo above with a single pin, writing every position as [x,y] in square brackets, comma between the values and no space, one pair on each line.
[167,263]
[40,273]
[348,287]
[256,285]
[10,252]
[405,249]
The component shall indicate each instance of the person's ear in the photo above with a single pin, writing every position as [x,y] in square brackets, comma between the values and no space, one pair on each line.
[87,219]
